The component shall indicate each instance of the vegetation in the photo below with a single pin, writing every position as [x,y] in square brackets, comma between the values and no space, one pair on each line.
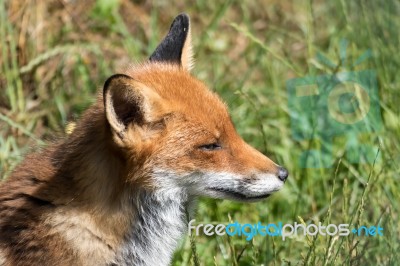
[55,56]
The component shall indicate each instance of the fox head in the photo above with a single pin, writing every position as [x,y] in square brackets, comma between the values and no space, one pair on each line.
[176,135]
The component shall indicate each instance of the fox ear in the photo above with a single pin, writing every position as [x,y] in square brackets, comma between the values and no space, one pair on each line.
[177,45]
[127,101]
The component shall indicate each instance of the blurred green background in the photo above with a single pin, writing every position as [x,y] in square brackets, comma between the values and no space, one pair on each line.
[56,55]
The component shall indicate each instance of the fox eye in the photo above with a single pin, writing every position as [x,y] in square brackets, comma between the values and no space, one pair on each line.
[210,147]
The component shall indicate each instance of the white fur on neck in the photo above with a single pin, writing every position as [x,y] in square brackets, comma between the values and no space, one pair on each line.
[159,224]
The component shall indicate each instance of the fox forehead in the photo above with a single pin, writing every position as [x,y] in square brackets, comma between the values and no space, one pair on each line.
[184,94]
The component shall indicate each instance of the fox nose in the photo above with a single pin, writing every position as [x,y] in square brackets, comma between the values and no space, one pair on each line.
[282,173]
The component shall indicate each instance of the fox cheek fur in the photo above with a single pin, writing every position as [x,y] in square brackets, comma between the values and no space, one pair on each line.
[116,191]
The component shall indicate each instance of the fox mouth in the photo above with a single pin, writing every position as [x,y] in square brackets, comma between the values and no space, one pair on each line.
[238,195]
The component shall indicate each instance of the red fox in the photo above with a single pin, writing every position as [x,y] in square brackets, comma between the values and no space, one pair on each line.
[116,191]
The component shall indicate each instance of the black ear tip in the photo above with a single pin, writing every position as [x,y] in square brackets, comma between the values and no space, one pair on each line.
[186,16]
[111,79]
[180,23]
[170,49]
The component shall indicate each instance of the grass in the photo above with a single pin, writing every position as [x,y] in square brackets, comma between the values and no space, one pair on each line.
[55,55]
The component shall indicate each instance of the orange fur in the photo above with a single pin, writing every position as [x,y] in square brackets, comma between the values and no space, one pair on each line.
[155,140]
